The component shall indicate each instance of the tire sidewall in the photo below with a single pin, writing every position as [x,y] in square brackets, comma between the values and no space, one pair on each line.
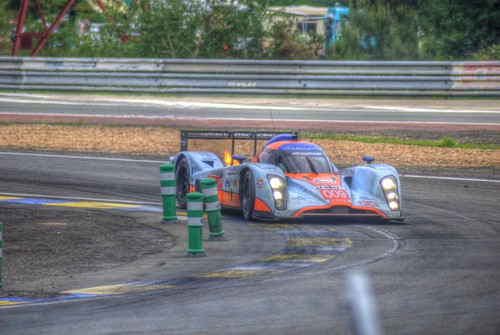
[248,186]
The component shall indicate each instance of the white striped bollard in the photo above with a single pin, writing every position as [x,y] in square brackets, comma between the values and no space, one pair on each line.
[195,224]
[167,184]
[212,207]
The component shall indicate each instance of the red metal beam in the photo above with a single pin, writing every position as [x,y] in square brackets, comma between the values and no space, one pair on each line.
[21,35]
[43,40]
[42,17]
[20,25]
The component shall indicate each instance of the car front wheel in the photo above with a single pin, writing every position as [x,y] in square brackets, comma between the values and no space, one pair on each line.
[182,182]
[248,195]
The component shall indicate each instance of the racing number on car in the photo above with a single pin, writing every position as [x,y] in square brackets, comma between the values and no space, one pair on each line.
[335,194]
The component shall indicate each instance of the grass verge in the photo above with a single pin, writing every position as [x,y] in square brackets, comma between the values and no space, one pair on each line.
[445,142]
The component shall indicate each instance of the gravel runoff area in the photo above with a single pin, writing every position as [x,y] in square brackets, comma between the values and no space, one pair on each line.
[163,142]
[45,242]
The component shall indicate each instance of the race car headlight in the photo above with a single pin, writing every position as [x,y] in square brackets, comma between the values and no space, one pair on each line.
[390,187]
[393,205]
[277,195]
[392,196]
[278,186]
[389,183]
[275,182]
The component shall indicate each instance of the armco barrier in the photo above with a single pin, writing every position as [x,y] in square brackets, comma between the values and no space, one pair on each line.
[251,76]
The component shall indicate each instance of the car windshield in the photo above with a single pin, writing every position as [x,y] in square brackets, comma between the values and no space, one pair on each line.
[303,162]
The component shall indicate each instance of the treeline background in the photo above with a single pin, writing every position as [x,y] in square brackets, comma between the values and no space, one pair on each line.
[246,29]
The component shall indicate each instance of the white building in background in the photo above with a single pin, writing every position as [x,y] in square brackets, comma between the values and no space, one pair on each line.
[307,17]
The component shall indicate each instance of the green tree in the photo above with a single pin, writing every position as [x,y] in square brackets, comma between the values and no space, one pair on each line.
[166,29]
[64,37]
[455,29]
[157,28]
[234,29]
[184,29]
[285,42]
[5,29]
[316,3]
[378,30]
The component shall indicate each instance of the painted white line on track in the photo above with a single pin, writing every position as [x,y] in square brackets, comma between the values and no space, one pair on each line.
[452,178]
[109,101]
[401,109]
[84,157]
[173,117]
[128,102]
[66,103]
[43,196]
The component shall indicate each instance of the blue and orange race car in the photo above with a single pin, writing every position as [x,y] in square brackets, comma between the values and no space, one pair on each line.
[288,178]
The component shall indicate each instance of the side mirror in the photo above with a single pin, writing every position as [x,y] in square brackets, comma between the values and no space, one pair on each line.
[368,159]
[239,158]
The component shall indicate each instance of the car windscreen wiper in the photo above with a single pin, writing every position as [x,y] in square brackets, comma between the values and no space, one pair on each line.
[312,166]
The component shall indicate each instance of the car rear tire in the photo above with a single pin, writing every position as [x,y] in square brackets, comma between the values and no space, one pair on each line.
[182,177]
[248,195]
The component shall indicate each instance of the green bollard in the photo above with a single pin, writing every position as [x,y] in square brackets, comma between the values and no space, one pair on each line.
[195,224]
[212,207]
[167,183]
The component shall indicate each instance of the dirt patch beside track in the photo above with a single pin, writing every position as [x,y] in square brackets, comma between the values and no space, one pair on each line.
[43,242]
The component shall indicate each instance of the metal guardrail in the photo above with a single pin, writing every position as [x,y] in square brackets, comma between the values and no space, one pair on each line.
[251,76]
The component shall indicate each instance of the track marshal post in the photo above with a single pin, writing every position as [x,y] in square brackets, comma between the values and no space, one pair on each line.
[195,224]
[167,184]
[212,208]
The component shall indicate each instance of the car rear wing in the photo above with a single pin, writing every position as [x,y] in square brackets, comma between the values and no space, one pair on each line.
[186,135]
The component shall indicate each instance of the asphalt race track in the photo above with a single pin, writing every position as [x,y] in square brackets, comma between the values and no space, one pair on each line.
[312,113]
[436,273]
